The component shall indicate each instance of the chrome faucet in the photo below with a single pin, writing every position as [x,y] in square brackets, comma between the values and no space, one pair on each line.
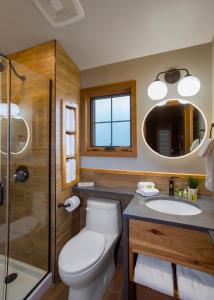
[171,185]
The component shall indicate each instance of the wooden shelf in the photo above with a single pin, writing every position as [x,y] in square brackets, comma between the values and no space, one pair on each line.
[66,108]
[177,245]
[187,247]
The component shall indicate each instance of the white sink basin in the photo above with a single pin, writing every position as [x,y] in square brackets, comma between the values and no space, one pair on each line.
[173,207]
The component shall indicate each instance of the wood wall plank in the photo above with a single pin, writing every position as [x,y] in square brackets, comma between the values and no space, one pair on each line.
[67,88]
[130,178]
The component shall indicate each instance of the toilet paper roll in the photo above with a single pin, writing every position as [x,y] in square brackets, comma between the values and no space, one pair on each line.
[74,203]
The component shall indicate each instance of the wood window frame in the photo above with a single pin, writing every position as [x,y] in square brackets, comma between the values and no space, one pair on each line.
[87,95]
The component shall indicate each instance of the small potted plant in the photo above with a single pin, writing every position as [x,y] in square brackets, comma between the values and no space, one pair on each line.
[193,188]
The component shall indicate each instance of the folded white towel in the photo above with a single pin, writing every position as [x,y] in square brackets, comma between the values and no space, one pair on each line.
[73,169]
[194,285]
[70,120]
[146,185]
[148,193]
[207,152]
[155,274]
[68,171]
[70,144]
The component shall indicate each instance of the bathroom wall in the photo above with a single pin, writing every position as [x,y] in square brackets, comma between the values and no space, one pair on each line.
[198,60]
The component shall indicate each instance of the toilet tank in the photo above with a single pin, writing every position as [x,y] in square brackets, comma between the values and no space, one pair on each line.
[103,215]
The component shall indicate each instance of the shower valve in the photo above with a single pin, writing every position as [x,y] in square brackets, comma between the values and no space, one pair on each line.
[21,174]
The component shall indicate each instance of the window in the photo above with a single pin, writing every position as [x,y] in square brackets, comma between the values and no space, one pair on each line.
[109,120]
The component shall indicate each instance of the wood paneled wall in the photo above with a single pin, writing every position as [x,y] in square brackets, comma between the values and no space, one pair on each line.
[129,178]
[50,59]
[67,88]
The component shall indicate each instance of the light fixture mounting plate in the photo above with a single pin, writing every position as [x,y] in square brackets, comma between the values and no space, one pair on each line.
[172,76]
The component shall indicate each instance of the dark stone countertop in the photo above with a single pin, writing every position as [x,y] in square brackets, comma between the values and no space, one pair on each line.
[203,221]
[106,190]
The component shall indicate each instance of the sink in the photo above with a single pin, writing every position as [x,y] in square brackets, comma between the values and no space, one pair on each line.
[173,207]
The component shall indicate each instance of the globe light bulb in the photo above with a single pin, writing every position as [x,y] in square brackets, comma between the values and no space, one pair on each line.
[157,90]
[189,86]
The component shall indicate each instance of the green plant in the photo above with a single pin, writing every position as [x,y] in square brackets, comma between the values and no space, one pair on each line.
[193,183]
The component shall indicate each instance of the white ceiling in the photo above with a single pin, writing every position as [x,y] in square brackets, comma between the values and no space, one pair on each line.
[112,30]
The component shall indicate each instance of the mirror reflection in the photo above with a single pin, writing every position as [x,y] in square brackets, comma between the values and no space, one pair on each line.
[19,134]
[174,128]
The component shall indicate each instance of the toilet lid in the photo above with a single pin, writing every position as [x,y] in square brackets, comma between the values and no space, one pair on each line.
[81,252]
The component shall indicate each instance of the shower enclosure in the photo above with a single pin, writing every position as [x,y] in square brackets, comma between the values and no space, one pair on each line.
[24,179]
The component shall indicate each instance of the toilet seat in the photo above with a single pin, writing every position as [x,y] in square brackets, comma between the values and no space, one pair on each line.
[81,252]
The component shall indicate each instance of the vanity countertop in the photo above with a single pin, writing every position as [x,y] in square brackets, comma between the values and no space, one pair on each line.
[105,189]
[203,221]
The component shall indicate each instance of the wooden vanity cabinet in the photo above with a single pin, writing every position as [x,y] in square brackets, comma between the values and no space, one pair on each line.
[177,245]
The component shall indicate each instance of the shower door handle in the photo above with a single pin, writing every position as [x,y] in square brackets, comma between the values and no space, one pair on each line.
[1,194]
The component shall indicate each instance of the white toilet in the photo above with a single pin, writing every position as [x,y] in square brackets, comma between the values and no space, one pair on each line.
[86,262]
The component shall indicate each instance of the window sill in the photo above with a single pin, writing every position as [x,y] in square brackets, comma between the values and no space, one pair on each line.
[125,152]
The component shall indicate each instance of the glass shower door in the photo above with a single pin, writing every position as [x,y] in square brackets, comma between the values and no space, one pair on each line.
[29,211]
[24,179]
[4,170]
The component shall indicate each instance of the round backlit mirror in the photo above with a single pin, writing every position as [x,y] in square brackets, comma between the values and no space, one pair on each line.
[174,128]
[20,135]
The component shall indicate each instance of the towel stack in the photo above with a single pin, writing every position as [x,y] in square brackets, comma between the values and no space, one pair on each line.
[147,189]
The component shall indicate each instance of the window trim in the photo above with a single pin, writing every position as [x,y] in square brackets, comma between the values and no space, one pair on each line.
[128,87]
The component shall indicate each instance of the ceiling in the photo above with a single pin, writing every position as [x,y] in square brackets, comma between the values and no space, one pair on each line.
[112,30]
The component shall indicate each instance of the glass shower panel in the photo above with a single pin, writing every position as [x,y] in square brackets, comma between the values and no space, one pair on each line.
[29,182]
[4,159]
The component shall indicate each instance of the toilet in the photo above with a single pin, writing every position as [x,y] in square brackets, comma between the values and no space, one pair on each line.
[86,262]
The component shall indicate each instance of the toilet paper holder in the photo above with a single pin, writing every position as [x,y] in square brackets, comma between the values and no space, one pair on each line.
[63,205]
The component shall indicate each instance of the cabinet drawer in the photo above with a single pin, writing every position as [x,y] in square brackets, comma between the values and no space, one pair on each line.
[188,247]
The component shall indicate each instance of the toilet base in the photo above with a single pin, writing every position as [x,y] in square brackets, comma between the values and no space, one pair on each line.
[95,289]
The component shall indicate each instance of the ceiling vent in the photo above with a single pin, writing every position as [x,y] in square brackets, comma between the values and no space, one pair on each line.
[60,12]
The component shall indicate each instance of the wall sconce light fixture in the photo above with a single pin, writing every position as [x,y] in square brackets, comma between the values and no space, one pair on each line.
[187,86]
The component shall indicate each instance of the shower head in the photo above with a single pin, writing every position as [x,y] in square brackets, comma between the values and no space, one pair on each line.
[1,67]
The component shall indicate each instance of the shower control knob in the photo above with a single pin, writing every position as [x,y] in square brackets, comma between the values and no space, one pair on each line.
[21,174]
